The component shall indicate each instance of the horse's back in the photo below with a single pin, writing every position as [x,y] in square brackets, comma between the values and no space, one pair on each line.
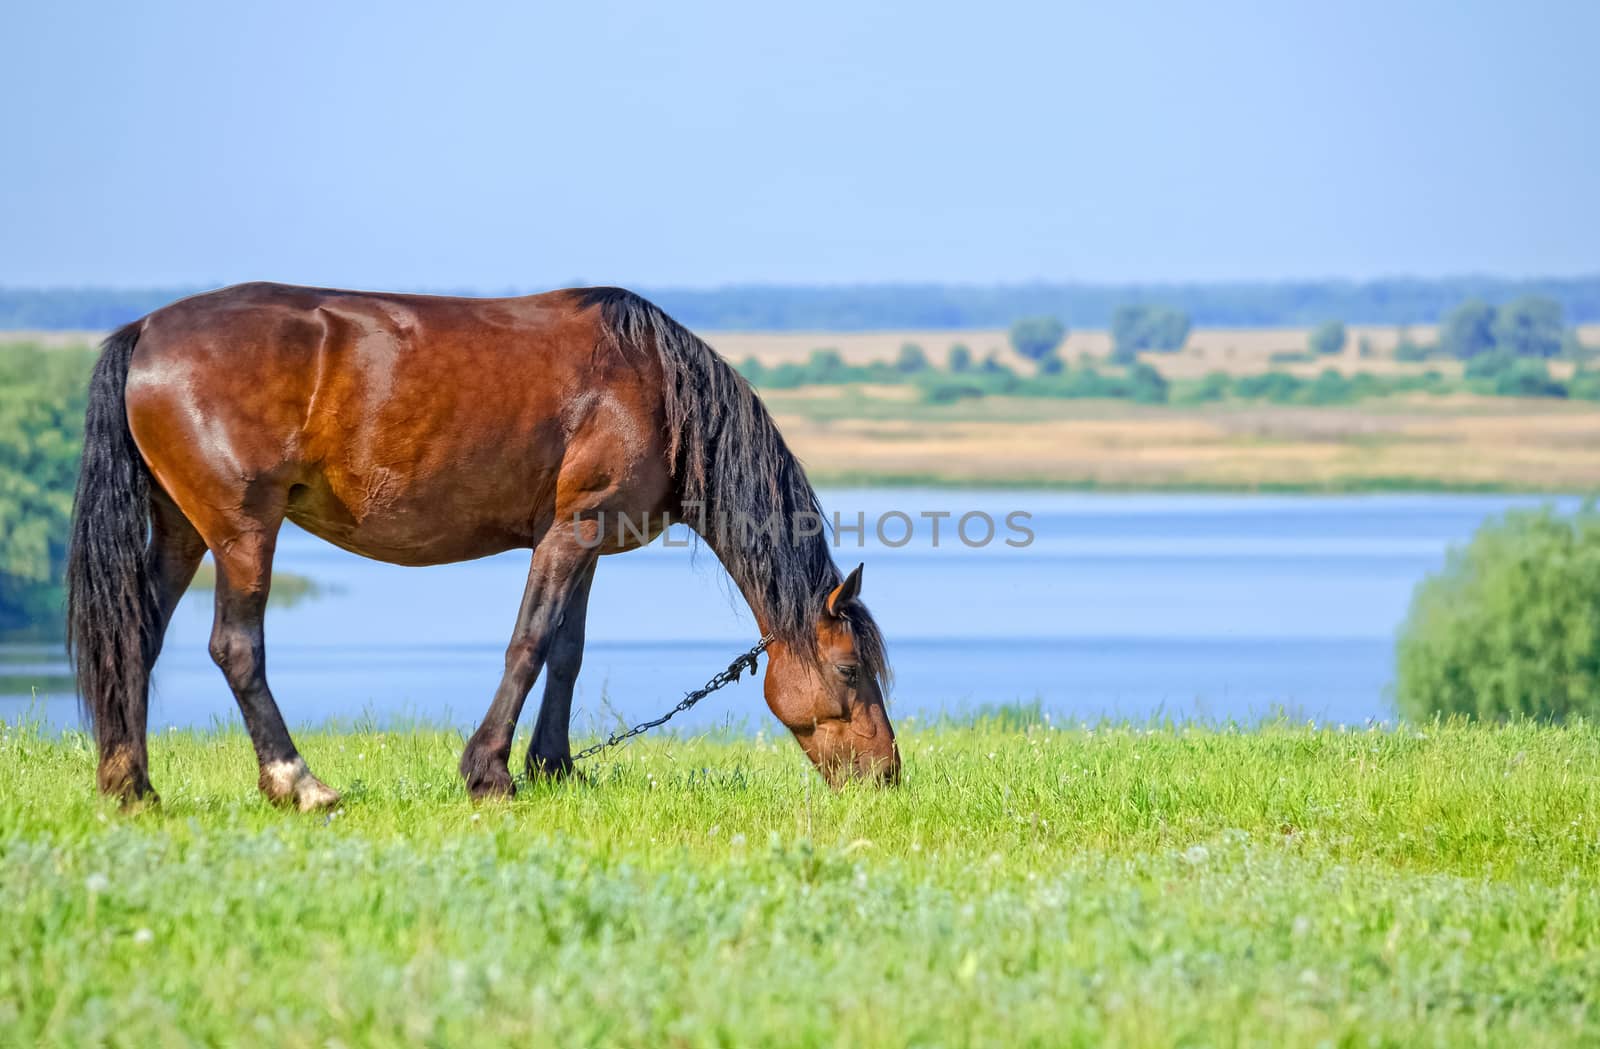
[412,428]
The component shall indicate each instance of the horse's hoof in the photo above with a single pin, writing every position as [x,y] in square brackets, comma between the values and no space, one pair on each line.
[125,779]
[551,768]
[291,783]
[491,783]
[136,803]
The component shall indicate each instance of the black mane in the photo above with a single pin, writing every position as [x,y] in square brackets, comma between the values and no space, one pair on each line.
[728,456]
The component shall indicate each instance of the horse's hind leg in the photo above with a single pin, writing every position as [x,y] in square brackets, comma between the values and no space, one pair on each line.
[238,645]
[173,554]
[560,564]
[550,752]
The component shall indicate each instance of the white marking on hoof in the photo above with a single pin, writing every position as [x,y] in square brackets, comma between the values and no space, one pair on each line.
[288,782]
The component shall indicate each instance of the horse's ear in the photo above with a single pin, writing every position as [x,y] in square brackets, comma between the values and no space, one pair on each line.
[845,592]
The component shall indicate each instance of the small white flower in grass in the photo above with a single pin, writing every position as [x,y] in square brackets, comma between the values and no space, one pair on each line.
[1195,855]
[476,816]
[1301,926]
[97,883]
[737,841]
[143,936]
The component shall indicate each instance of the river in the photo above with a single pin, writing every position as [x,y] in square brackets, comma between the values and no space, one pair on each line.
[1204,607]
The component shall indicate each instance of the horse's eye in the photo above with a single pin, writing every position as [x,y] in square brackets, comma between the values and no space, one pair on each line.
[850,672]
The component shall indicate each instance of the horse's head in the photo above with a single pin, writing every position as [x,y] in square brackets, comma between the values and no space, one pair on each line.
[831,697]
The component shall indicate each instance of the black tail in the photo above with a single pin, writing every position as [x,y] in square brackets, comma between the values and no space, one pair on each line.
[111,601]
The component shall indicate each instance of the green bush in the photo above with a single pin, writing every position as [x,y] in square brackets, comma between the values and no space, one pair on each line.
[1585,385]
[1329,387]
[1328,338]
[1408,349]
[1505,374]
[911,360]
[42,398]
[1267,386]
[1211,387]
[1511,626]
[949,390]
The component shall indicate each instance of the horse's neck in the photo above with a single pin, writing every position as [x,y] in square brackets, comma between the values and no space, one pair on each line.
[773,573]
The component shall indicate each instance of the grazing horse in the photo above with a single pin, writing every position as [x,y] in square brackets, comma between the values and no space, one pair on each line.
[421,430]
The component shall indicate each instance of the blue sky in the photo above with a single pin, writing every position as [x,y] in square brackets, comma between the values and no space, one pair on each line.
[526,145]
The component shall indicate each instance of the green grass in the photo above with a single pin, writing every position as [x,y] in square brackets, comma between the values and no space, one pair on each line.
[1027,885]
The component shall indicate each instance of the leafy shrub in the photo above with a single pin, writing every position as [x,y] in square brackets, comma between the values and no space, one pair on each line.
[1211,387]
[949,390]
[1329,387]
[1511,626]
[911,360]
[754,371]
[1267,386]
[1408,349]
[1327,338]
[1505,374]
[960,359]
[43,393]
[1585,385]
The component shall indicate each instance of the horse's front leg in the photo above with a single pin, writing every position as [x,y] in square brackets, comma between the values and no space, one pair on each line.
[560,566]
[550,751]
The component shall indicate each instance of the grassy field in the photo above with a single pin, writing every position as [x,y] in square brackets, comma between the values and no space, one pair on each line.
[1286,886]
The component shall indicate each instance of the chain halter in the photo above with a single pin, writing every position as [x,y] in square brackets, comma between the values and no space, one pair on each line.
[748,661]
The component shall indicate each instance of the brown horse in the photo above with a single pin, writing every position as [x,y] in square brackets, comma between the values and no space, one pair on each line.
[421,430]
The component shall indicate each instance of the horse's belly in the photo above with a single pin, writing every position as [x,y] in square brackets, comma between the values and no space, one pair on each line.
[408,531]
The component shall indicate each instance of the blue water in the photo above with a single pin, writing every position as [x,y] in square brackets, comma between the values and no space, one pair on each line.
[1124,606]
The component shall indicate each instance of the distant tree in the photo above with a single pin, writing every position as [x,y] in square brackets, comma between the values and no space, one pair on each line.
[1328,338]
[1468,330]
[960,359]
[1529,327]
[911,360]
[1038,337]
[1364,347]
[1138,328]
[1052,365]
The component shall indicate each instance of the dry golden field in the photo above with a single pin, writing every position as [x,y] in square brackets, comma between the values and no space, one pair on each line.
[1415,443]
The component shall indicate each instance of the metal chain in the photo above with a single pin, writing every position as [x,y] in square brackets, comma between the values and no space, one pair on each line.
[725,677]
